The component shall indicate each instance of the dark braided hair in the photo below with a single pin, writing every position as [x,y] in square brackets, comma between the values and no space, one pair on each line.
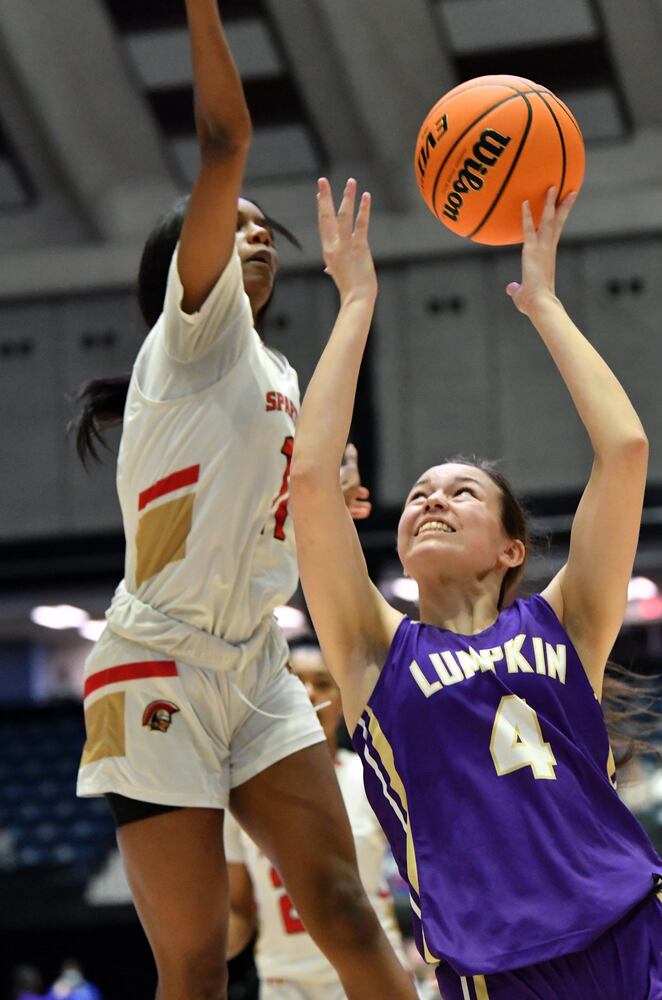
[101,401]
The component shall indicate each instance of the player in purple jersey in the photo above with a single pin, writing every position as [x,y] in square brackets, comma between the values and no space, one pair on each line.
[485,751]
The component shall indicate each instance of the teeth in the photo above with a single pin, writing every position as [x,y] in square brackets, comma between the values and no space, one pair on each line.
[435,526]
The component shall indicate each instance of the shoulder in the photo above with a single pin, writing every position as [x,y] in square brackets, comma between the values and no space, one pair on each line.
[539,607]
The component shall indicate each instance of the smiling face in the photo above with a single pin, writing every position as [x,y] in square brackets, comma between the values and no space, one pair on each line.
[259,259]
[452,527]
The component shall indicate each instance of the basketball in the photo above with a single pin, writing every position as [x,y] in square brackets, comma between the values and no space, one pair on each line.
[490,144]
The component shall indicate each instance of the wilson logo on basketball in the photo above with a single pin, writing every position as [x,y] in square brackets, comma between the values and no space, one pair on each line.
[486,153]
[158,715]
[430,143]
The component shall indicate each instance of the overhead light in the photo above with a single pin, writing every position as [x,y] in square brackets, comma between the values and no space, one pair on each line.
[92,628]
[640,588]
[290,619]
[650,609]
[404,588]
[58,616]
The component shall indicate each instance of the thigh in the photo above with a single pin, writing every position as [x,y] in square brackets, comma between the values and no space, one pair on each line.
[294,811]
[176,869]
[283,720]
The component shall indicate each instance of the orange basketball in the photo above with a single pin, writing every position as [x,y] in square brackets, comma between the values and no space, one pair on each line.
[490,144]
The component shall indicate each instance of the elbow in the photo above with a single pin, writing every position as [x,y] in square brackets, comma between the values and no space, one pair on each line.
[630,451]
[302,477]
[636,446]
[308,479]
[225,141]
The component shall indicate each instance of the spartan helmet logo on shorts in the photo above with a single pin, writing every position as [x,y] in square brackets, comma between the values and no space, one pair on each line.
[158,715]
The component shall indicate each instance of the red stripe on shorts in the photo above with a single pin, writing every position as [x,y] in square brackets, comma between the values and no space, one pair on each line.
[175,481]
[129,672]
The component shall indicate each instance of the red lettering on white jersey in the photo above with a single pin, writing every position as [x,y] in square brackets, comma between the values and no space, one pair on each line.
[278,401]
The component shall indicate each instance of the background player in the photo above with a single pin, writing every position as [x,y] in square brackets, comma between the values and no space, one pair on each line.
[192,642]
[484,745]
[289,964]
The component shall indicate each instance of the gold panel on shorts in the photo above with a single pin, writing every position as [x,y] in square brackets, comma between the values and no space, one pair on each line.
[104,722]
[161,536]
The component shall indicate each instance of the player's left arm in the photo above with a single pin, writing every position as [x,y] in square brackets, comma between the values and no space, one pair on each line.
[590,593]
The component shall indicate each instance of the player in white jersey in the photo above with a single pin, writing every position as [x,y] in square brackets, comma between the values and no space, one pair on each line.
[289,964]
[188,702]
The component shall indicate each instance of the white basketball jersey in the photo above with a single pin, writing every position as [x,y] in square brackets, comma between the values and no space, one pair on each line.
[284,949]
[203,467]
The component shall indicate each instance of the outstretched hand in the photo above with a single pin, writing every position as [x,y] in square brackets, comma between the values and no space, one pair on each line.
[356,495]
[344,241]
[539,252]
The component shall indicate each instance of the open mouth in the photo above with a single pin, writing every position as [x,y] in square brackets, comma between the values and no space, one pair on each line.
[263,257]
[435,527]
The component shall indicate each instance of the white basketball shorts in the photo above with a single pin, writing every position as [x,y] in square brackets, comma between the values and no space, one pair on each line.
[162,731]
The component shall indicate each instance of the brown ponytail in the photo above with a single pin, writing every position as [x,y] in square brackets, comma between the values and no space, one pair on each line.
[632,721]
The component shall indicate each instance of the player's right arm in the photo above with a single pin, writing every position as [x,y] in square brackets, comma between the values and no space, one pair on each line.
[354,623]
[224,134]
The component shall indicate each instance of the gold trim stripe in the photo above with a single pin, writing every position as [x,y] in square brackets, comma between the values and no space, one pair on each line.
[385,751]
[481,988]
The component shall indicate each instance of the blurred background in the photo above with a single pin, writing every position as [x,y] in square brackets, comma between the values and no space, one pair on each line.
[96,140]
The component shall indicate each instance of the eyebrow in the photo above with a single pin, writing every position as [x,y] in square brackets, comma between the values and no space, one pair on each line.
[272,225]
[426,481]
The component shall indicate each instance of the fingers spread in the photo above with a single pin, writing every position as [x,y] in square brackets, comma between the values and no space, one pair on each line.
[326,212]
[363,217]
[548,213]
[528,226]
[346,213]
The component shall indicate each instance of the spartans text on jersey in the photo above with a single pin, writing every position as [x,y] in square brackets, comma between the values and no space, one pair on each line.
[279,401]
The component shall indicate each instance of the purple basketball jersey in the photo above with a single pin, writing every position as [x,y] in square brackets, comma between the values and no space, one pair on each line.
[487,761]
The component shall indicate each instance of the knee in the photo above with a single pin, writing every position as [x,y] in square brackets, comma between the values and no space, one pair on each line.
[198,972]
[346,913]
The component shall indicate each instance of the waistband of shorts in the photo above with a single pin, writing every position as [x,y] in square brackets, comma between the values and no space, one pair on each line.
[132,619]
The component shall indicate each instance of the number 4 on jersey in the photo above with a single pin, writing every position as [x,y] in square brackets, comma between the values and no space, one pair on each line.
[517,740]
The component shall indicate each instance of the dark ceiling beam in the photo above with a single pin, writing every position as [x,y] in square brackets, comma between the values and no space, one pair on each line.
[96,125]
[634,34]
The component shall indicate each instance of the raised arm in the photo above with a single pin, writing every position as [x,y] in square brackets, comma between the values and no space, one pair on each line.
[224,134]
[354,623]
[590,593]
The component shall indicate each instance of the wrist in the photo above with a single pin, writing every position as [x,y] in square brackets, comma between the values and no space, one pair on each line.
[542,305]
[359,298]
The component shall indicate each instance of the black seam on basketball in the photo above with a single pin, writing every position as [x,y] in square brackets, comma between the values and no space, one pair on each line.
[510,171]
[512,97]
[569,114]
[564,156]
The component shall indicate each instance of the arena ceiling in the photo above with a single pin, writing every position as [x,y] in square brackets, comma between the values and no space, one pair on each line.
[96,126]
